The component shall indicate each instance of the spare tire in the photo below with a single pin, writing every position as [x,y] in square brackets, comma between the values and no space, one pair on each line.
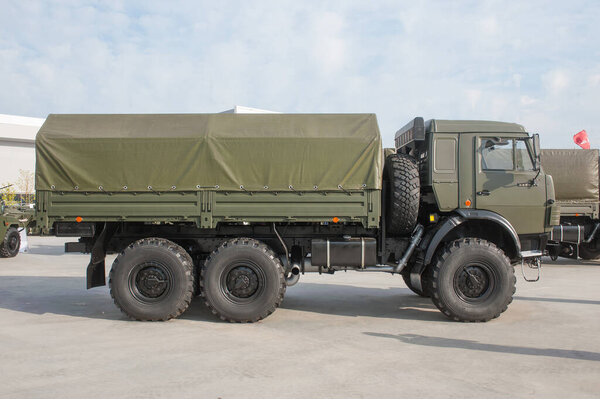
[403,194]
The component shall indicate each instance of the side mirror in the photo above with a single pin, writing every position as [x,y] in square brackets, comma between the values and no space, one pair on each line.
[537,152]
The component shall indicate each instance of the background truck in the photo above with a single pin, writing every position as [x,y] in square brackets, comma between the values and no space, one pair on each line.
[576,180]
[235,207]
[12,222]
[9,234]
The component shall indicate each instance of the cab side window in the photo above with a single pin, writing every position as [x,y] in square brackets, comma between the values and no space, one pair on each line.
[497,154]
[524,161]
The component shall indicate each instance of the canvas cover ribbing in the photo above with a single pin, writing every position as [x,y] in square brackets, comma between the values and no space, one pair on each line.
[183,151]
[574,172]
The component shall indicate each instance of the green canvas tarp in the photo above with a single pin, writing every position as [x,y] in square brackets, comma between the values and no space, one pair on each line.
[183,152]
[574,172]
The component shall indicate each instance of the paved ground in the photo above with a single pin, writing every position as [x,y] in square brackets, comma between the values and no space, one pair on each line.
[348,335]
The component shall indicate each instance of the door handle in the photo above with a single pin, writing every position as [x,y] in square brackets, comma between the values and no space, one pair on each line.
[483,192]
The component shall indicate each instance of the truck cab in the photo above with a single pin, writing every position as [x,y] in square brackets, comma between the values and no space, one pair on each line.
[487,174]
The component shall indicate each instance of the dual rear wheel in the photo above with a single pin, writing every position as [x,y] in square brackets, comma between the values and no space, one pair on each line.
[154,279]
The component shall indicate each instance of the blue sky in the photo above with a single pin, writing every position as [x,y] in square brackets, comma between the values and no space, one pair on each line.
[532,62]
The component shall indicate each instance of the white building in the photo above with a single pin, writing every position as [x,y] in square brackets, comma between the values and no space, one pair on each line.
[17,146]
[239,109]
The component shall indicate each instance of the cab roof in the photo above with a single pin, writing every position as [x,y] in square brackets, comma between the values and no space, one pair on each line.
[469,126]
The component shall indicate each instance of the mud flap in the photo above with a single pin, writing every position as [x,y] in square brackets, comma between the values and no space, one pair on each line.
[96,271]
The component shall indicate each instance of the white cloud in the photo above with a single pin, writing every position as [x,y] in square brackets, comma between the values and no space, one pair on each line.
[489,25]
[515,61]
[556,81]
[526,100]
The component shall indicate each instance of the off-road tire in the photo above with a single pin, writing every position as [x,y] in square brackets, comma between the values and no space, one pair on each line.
[404,189]
[452,269]
[9,247]
[152,257]
[242,254]
[425,283]
[588,253]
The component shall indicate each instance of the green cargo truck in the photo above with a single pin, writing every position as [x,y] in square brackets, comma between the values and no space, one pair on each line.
[576,178]
[236,207]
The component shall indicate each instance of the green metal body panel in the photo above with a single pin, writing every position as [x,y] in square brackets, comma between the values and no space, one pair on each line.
[5,223]
[522,204]
[579,209]
[469,126]
[444,170]
[208,208]
[8,220]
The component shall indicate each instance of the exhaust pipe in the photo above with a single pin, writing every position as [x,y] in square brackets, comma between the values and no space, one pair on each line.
[415,239]
[294,276]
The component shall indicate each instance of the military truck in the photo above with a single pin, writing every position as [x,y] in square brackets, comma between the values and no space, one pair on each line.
[236,207]
[11,239]
[576,177]
[11,222]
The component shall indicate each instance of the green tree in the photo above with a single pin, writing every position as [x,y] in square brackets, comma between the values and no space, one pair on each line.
[26,185]
[8,194]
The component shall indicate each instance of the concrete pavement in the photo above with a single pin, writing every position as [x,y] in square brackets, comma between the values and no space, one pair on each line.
[350,335]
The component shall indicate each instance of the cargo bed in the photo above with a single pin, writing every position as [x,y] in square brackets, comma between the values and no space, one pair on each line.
[208,208]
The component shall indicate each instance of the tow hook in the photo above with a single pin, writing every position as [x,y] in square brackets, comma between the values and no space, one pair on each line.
[533,263]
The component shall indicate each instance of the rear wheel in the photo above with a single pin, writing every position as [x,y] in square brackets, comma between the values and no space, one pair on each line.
[152,279]
[242,281]
[11,244]
[472,280]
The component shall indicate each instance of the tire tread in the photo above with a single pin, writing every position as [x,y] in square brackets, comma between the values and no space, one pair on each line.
[236,242]
[180,253]
[4,251]
[405,191]
[443,256]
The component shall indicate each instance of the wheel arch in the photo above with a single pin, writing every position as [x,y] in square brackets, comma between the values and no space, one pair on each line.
[476,223]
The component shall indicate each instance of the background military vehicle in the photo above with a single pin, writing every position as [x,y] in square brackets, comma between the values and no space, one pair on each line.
[9,232]
[11,222]
[237,207]
[576,178]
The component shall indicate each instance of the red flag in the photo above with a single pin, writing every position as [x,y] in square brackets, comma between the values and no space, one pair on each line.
[581,139]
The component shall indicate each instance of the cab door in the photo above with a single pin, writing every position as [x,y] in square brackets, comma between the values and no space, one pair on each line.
[507,183]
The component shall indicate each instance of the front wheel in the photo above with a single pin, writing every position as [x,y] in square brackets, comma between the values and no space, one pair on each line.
[9,247]
[472,280]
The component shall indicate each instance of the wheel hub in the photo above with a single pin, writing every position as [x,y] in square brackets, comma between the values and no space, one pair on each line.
[12,244]
[151,281]
[242,282]
[473,282]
